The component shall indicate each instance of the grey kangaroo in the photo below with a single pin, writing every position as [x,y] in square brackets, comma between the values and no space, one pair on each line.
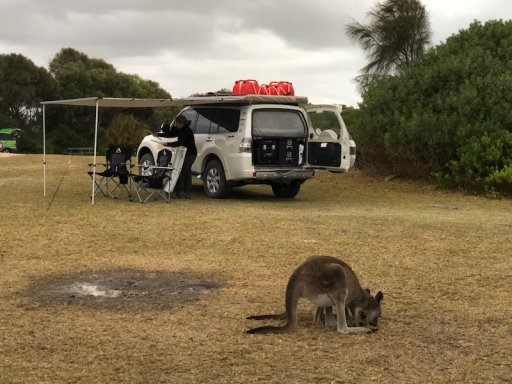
[327,281]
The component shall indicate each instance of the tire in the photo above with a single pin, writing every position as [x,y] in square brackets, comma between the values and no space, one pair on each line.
[214,181]
[146,160]
[286,191]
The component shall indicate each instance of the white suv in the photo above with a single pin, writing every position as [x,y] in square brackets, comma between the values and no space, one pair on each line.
[260,140]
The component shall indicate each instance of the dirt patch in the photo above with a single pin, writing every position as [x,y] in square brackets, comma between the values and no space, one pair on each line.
[123,290]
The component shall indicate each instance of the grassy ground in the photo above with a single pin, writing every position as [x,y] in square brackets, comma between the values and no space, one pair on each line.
[442,259]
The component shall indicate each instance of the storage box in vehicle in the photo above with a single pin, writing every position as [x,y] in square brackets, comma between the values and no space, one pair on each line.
[267,151]
[289,152]
[324,154]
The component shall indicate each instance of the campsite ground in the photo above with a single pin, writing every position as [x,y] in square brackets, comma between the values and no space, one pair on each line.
[442,259]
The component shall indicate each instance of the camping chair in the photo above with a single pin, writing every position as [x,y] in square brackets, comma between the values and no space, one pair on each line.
[159,180]
[116,175]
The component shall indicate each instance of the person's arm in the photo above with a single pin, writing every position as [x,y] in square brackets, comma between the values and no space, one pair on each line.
[191,138]
[173,134]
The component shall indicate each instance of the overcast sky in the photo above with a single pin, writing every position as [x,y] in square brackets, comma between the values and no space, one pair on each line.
[203,45]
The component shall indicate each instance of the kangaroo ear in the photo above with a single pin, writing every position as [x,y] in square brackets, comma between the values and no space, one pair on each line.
[378,297]
[367,290]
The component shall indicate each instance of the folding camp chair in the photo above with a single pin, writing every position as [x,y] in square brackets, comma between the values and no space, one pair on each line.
[116,175]
[159,180]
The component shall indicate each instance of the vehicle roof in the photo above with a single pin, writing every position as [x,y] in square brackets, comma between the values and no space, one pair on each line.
[244,100]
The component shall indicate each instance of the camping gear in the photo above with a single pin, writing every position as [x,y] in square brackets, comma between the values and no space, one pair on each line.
[159,180]
[286,88]
[115,177]
[273,89]
[263,89]
[246,87]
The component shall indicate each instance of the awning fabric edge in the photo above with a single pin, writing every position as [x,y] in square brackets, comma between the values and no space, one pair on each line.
[160,103]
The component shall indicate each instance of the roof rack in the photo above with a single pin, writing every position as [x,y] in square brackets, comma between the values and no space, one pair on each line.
[244,100]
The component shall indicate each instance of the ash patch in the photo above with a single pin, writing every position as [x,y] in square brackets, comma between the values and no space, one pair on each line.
[122,290]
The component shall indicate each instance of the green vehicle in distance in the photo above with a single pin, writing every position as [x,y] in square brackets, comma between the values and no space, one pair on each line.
[8,139]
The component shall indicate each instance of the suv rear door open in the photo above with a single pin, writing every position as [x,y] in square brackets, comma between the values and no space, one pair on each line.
[329,146]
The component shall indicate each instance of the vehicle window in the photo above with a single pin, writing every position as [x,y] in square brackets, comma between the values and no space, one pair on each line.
[7,136]
[219,120]
[277,123]
[325,120]
[228,120]
[191,116]
[203,122]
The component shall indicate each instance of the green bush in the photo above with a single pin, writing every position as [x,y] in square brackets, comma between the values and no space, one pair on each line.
[125,130]
[447,115]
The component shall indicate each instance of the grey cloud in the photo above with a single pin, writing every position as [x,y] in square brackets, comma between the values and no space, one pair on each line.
[198,45]
[137,28]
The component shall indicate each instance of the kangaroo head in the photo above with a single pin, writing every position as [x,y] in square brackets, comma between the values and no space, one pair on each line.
[366,311]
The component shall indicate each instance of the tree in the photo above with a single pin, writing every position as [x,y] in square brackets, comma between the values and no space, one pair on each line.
[397,34]
[125,130]
[448,114]
[22,86]
[81,76]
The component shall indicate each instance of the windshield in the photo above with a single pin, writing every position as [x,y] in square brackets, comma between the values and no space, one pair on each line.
[277,123]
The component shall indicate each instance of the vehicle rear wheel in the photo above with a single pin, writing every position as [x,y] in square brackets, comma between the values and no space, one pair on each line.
[214,181]
[286,191]
[145,161]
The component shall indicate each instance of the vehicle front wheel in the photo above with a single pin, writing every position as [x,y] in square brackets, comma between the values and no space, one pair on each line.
[286,191]
[145,161]
[214,181]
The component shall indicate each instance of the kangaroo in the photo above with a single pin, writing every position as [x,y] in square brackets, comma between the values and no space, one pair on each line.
[326,314]
[327,281]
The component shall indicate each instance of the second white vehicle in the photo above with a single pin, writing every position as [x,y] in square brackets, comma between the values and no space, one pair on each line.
[256,139]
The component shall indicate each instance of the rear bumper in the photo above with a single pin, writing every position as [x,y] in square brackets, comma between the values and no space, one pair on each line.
[291,174]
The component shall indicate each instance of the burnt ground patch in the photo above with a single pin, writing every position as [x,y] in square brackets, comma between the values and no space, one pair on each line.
[121,289]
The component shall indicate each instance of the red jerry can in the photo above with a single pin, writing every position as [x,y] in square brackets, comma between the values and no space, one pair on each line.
[286,87]
[263,89]
[236,87]
[246,87]
[273,89]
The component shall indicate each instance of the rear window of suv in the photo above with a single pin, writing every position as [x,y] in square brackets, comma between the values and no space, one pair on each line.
[277,123]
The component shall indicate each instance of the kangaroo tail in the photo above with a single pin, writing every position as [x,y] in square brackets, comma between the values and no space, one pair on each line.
[277,316]
[269,329]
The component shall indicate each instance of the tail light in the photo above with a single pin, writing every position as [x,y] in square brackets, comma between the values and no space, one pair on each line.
[246,145]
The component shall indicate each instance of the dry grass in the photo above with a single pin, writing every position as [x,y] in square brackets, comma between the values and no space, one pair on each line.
[445,273]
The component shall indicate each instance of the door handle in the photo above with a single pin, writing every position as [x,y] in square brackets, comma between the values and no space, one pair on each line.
[209,139]
[231,136]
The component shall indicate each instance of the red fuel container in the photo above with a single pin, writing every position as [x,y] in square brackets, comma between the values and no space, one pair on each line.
[246,87]
[273,89]
[286,87]
[263,89]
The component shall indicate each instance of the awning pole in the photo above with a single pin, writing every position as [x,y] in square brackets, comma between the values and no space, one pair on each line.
[44,152]
[95,147]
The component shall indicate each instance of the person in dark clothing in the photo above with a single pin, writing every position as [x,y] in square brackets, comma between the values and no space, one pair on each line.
[185,136]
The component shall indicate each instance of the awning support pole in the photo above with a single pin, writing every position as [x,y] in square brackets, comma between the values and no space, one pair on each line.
[44,152]
[95,148]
